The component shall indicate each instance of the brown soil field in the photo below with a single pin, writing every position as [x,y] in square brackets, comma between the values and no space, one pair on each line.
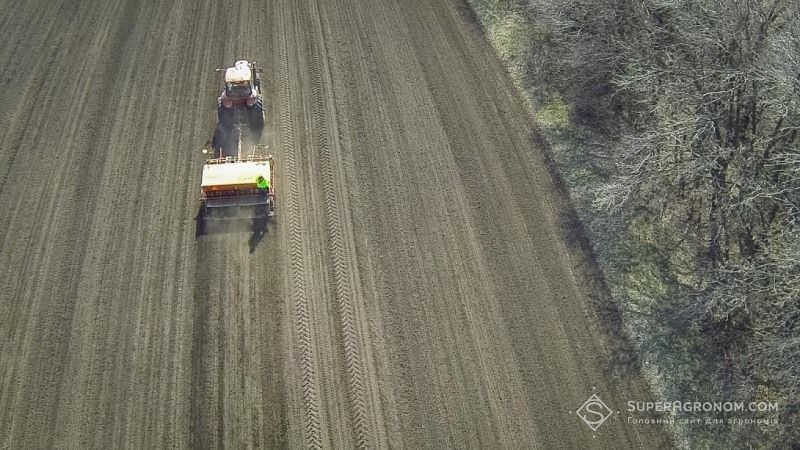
[414,290]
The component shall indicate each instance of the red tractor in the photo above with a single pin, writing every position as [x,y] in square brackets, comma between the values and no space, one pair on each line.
[241,104]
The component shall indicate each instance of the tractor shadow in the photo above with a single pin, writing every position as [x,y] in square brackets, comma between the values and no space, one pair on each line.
[259,230]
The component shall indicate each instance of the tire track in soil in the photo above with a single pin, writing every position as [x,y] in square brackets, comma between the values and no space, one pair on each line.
[343,291]
[309,382]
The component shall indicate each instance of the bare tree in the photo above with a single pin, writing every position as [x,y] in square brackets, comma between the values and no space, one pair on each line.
[694,111]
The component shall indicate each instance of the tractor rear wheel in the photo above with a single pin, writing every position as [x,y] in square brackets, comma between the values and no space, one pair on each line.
[256,119]
[225,117]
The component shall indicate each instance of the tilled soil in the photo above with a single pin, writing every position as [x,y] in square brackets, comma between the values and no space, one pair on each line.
[413,290]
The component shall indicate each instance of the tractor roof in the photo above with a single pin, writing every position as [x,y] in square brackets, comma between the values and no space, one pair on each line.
[234,173]
[238,73]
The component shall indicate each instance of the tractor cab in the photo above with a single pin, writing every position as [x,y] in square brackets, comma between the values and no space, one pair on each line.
[239,90]
[241,85]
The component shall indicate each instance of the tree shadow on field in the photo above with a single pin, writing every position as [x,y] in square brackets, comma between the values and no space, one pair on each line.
[624,357]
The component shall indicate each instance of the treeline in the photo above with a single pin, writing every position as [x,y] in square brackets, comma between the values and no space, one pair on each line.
[682,142]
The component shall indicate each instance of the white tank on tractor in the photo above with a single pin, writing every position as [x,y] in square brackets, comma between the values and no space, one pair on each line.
[239,73]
